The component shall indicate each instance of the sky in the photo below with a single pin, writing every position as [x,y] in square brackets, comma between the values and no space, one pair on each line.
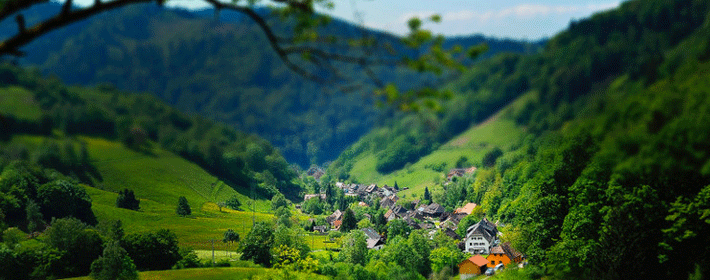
[515,19]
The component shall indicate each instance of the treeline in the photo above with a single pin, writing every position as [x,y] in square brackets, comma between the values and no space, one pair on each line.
[71,248]
[140,121]
[226,71]
[585,58]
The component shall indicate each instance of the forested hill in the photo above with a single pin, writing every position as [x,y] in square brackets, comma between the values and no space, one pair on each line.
[611,178]
[222,70]
[57,115]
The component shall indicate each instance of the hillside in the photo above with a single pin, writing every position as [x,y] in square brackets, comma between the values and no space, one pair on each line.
[224,70]
[105,141]
[608,177]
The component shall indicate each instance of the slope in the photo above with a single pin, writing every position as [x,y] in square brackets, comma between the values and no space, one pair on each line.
[43,124]
[613,180]
[225,71]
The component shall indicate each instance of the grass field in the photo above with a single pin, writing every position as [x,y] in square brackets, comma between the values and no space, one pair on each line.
[473,144]
[227,273]
[19,102]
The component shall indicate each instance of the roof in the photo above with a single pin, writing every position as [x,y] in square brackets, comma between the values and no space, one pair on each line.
[497,250]
[483,227]
[478,260]
[372,243]
[510,251]
[468,208]
[434,209]
[337,223]
[452,234]
[371,233]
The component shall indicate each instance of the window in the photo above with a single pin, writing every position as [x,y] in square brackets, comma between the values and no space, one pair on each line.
[493,262]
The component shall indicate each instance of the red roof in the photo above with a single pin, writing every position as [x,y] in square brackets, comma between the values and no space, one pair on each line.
[478,260]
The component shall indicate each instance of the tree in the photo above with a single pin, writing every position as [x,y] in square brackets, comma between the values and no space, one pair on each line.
[354,248]
[127,200]
[61,198]
[34,217]
[230,236]
[79,244]
[490,158]
[278,201]
[256,246]
[183,208]
[398,227]
[152,250]
[445,257]
[349,221]
[114,264]
[427,195]
[233,202]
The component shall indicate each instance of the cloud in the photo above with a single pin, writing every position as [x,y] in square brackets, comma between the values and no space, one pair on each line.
[525,11]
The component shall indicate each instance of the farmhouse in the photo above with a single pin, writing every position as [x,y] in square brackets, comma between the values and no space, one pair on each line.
[480,237]
[472,266]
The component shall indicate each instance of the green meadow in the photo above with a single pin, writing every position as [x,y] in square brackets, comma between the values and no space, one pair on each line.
[473,144]
[225,273]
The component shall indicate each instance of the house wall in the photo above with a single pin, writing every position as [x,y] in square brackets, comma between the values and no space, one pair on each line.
[475,243]
[469,268]
[496,259]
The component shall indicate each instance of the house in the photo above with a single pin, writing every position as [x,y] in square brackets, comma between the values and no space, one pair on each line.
[467,209]
[387,190]
[388,201]
[399,210]
[371,189]
[374,240]
[459,172]
[320,229]
[390,215]
[309,196]
[454,219]
[336,216]
[337,224]
[504,254]
[480,237]
[450,233]
[434,210]
[472,266]
[315,171]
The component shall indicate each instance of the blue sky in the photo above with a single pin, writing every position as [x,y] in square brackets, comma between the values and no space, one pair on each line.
[518,19]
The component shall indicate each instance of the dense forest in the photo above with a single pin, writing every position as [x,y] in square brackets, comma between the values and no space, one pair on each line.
[199,65]
[612,180]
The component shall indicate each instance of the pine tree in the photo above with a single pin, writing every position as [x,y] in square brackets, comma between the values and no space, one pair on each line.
[349,221]
[183,208]
[427,195]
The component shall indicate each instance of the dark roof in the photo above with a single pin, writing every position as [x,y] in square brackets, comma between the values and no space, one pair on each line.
[510,251]
[449,232]
[434,209]
[483,227]
[372,243]
[371,233]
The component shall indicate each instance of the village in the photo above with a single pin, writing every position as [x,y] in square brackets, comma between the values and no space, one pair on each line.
[481,241]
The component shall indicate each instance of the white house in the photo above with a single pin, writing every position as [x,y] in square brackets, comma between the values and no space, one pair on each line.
[480,237]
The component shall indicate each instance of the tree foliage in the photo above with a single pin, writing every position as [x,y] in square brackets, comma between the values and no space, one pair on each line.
[152,250]
[114,264]
[257,245]
[183,208]
[127,199]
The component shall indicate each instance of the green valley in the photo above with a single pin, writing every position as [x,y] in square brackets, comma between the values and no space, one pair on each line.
[586,158]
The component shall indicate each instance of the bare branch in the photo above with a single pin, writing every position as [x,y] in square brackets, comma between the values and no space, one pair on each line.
[12,7]
[12,45]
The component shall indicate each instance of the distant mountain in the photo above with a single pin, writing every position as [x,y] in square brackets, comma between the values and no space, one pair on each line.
[223,70]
